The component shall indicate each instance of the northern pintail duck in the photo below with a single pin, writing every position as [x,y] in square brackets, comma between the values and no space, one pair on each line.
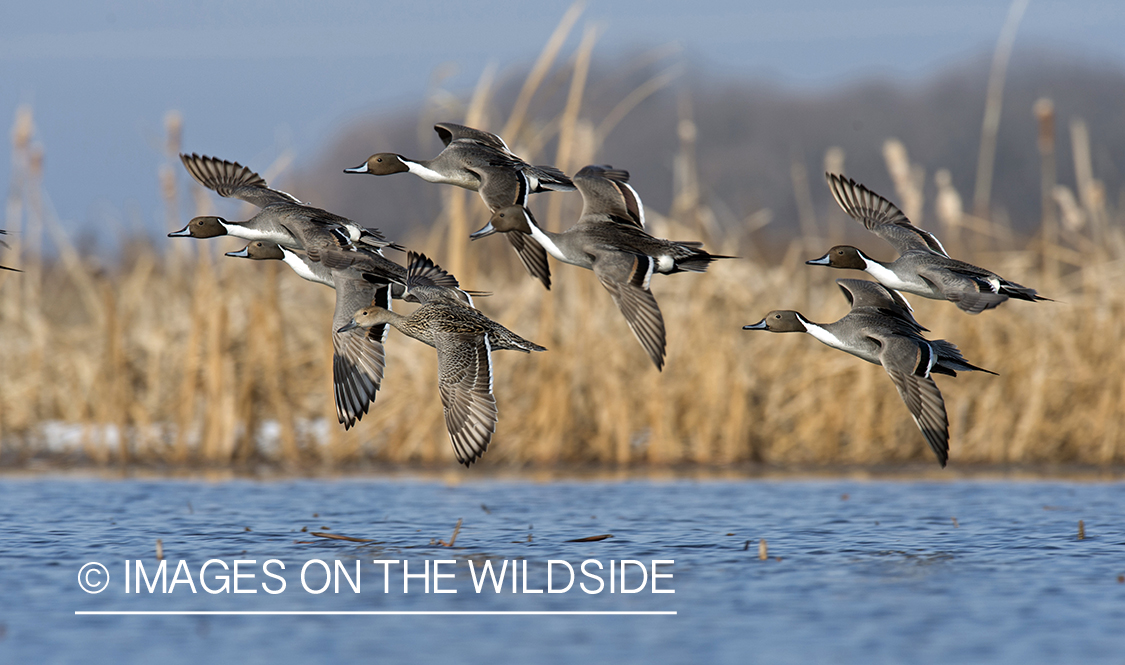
[358,357]
[481,162]
[283,220]
[609,239]
[4,244]
[880,330]
[923,267]
[464,339]
[359,278]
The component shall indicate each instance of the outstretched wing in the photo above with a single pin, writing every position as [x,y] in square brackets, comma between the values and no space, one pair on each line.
[606,193]
[426,281]
[465,385]
[626,278]
[449,132]
[862,293]
[231,179]
[880,216]
[358,357]
[908,364]
[533,256]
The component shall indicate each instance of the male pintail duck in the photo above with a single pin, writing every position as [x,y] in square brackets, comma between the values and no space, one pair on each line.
[481,162]
[4,244]
[359,278]
[923,267]
[609,239]
[880,330]
[283,219]
[464,339]
[358,357]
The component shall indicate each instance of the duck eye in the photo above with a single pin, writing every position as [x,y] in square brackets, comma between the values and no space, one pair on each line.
[379,159]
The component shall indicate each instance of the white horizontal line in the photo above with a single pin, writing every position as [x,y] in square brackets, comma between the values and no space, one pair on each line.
[372,612]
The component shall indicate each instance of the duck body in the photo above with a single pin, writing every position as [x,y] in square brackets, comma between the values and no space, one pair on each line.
[283,218]
[923,268]
[609,239]
[358,356]
[880,331]
[464,340]
[481,162]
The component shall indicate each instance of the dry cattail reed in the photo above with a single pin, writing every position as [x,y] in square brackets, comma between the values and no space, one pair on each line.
[204,360]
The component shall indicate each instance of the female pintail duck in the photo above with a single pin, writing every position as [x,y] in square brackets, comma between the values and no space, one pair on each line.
[609,239]
[923,267]
[283,219]
[880,330]
[464,339]
[481,162]
[359,278]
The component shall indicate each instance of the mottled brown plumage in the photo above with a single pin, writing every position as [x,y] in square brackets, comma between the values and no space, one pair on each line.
[464,339]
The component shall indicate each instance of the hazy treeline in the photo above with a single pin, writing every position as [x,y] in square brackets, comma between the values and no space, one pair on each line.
[749,134]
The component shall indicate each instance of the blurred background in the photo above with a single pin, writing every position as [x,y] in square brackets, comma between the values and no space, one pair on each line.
[999,125]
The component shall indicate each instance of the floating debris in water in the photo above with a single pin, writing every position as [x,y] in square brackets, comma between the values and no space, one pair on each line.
[745,546]
[589,539]
[844,497]
[485,509]
[955,524]
[763,550]
[336,536]
[191,511]
[304,529]
[453,538]
[247,528]
[1081,530]
[159,550]
[730,534]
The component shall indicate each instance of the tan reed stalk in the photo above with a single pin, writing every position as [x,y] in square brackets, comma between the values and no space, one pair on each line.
[908,179]
[994,99]
[540,68]
[568,121]
[1044,110]
[806,211]
[634,98]
[950,212]
[457,199]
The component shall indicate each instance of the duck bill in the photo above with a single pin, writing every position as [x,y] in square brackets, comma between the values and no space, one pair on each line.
[362,168]
[350,325]
[182,233]
[243,253]
[488,230]
[761,325]
[822,261]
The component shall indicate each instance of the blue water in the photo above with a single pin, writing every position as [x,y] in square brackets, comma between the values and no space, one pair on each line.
[881,576]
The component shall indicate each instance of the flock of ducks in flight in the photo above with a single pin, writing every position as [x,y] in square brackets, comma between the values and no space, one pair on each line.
[609,239]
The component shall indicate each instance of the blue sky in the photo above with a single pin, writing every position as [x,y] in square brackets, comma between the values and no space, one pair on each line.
[255,78]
